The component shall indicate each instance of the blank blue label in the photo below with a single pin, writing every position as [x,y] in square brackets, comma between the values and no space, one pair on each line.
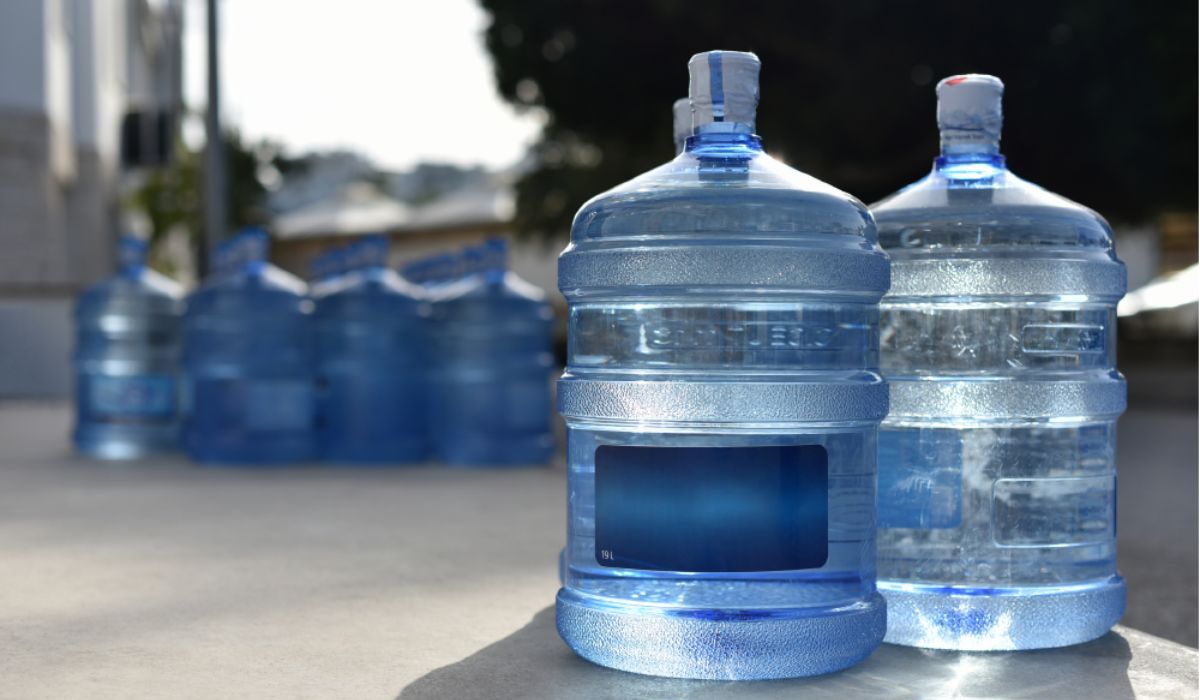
[712,509]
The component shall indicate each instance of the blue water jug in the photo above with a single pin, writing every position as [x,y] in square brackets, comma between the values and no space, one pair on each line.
[490,404]
[722,402]
[248,362]
[326,271]
[371,363]
[997,480]
[126,361]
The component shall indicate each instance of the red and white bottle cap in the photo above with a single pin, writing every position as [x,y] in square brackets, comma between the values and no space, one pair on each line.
[969,112]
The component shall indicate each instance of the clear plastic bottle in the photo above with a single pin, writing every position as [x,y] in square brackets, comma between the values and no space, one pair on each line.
[248,362]
[997,480]
[371,363]
[722,403]
[127,361]
[490,404]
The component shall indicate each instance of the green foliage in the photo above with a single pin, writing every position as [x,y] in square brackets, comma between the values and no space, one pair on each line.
[1100,105]
[173,196]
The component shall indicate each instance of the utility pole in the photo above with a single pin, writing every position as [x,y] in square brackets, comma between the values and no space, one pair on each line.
[216,184]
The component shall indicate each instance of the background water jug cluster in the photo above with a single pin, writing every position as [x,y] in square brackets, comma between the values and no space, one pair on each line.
[362,366]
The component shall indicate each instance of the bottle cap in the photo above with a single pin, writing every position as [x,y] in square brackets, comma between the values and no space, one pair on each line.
[444,267]
[969,112]
[318,267]
[370,251]
[252,243]
[723,87]
[495,254]
[682,112]
[131,251]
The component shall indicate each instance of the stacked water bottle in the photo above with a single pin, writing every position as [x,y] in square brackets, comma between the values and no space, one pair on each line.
[363,366]
[779,404]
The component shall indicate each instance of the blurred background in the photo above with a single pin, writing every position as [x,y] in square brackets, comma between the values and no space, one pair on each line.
[441,123]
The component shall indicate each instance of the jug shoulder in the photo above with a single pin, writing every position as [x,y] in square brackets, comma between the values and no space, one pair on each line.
[696,194]
[995,210]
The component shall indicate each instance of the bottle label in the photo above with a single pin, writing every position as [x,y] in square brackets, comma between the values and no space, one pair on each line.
[1054,511]
[137,396]
[920,478]
[712,509]
[279,405]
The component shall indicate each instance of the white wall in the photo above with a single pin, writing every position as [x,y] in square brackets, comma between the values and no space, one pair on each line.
[22,58]
[58,88]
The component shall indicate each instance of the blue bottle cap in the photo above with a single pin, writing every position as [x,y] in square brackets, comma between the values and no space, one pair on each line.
[131,252]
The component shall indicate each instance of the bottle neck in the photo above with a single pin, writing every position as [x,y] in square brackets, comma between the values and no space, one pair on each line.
[973,160]
[131,270]
[733,136]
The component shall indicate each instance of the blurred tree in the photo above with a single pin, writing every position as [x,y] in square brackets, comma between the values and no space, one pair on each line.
[172,196]
[1100,103]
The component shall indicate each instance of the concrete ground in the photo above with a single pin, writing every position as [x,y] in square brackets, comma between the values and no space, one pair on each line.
[1157,501]
[162,579]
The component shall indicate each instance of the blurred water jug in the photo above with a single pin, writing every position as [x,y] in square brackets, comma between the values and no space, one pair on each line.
[248,361]
[371,363]
[722,404]
[326,272]
[997,502]
[492,334]
[126,361]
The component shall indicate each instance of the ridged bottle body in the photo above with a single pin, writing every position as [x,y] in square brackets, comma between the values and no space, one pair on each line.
[997,462]
[492,364]
[371,344]
[248,362]
[722,403]
[126,366]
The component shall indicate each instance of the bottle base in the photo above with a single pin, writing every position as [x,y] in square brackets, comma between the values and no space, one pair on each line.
[980,619]
[720,644]
[125,442]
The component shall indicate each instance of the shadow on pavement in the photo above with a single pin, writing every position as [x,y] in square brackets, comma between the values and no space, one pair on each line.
[533,663]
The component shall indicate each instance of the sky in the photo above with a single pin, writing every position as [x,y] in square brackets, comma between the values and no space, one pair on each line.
[400,81]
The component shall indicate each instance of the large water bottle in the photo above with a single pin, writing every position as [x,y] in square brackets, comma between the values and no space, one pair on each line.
[371,363]
[722,404]
[997,502]
[126,361]
[248,362]
[492,336]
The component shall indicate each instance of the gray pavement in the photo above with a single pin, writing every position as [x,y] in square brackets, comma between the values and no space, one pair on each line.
[161,579]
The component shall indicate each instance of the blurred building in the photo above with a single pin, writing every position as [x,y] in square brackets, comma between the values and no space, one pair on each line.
[88,93]
[429,209]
